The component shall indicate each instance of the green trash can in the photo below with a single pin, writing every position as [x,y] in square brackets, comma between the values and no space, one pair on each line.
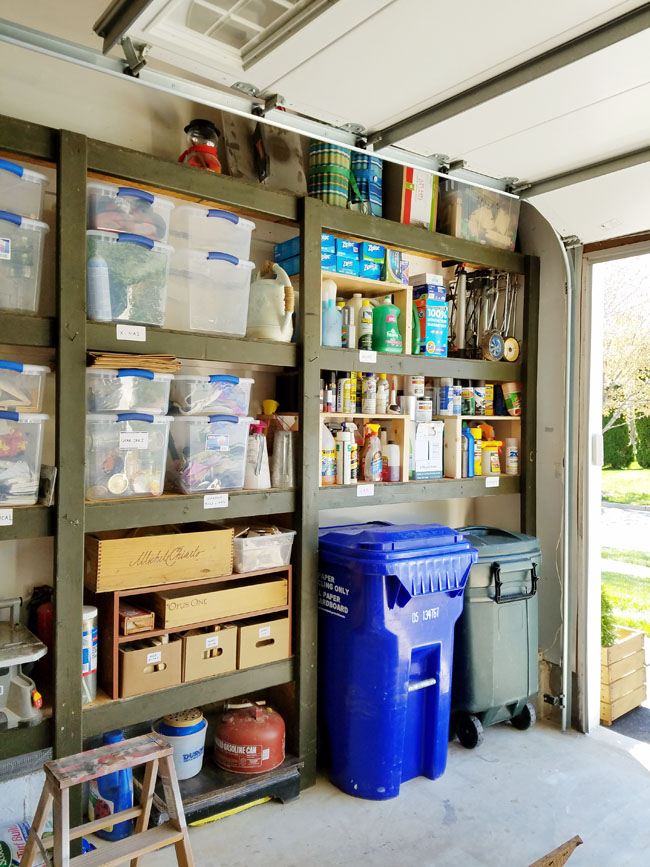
[495,647]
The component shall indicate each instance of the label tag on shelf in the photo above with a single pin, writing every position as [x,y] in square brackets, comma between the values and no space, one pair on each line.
[492,481]
[131,332]
[212,641]
[153,658]
[368,356]
[134,439]
[365,490]
[264,632]
[215,501]
[6,517]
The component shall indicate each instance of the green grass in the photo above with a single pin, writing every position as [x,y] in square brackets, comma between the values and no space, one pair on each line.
[630,600]
[640,558]
[627,486]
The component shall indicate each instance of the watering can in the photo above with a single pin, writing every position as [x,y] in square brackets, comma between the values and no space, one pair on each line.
[270,305]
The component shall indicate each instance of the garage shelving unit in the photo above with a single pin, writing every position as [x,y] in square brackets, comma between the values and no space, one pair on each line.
[75,157]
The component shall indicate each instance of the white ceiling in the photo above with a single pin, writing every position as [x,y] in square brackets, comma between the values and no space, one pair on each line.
[376,62]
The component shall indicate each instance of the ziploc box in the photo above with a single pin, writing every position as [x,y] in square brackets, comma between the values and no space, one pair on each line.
[347,249]
[433,319]
[327,243]
[328,261]
[428,451]
[396,267]
[369,252]
[369,270]
[347,266]
[287,249]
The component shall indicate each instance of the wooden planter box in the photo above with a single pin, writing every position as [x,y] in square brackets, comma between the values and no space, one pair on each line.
[622,675]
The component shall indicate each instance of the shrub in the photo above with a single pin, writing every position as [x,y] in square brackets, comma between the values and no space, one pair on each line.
[607,624]
[617,447]
[643,441]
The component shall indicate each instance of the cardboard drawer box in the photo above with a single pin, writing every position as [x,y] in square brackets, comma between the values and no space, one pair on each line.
[134,620]
[117,561]
[231,599]
[262,641]
[146,669]
[208,652]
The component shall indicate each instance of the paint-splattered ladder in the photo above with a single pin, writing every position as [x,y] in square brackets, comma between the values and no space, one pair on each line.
[149,750]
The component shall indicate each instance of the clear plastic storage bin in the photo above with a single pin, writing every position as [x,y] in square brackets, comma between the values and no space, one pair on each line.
[251,553]
[209,292]
[21,444]
[218,393]
[194,227]
[476,214]
[21,262]
[127,278]
[127,209]
[125,455]
[127,390]
[21,190]
[21,386]
[208,453]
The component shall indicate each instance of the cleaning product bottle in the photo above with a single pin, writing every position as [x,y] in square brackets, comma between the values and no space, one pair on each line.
[354,306]
[345,324]
[110,794]
[512,456]
[415,335]
[393,461]
[382,395]
[365,325]
[327,457]
[371,457]
[343,399]
[383,440]
[330,394]
[258,475]
[343,457]
[356,443]
[386,336]
[369,395]
[331,315]
[468,453]
[477,433]
[359,397]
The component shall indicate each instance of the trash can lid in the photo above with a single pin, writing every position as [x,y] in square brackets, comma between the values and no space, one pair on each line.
[492,541]
[380,538]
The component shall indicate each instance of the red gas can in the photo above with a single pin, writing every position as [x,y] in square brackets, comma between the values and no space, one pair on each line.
[249,738]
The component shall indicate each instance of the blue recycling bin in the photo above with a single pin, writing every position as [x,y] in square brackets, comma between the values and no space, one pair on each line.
[389,597]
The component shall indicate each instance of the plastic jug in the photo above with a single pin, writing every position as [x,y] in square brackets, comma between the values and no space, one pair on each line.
[332,321]
[386,336]
[270,305]
[283,470]
[328,456]
[110,794]
[468,453]
[258,477]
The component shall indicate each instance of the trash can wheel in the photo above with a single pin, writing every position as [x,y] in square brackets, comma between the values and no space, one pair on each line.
[469,730]
[525,718]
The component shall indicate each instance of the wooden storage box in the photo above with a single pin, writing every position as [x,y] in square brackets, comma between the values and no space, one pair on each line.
[622,675]
[117,561]
[147,669]
[208,652]
[261,641]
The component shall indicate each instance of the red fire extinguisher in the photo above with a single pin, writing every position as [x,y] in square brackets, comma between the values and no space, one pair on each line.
[249,738]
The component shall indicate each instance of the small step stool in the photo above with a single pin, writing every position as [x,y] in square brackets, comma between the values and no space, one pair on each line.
[150,750]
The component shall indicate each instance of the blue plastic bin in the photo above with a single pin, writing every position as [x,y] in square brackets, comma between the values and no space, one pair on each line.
[389,597]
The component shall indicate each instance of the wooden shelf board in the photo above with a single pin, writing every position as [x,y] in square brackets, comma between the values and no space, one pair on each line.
[390,493]
[154,633]
[488,417]
[195,582]
[29,522]
[24,329]
[389,416]
[348,283]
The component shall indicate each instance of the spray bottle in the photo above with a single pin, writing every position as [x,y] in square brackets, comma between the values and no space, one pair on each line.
[477,433]
[371,458]
[258,476]
[328,456]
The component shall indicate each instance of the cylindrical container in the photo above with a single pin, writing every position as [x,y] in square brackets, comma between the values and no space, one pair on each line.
[467,400]
[512,397]
[479,400]
[89,654]
[392,450]
[477,433]
[258,475]
[185,732]
[382,395]
[249,738]
[407,403]
[489,399]
[345,324]
[423,409]
[369,395]
[354,461]
[365,325]
[512,456]
[329,173]
[343,457]
[414,385]
[283,470]
[490,461]
[446,396]
[110,794]
[343,394]
[327,457]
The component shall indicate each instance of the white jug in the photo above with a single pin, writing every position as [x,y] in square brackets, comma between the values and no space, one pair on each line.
[271,305]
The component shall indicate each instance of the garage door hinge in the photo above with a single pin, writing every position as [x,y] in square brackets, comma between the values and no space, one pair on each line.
[135,54]
[555,700]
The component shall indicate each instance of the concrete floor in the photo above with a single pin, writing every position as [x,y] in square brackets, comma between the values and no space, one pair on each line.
[509,802]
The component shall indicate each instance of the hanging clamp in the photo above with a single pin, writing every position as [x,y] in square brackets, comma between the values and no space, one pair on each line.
[135,54]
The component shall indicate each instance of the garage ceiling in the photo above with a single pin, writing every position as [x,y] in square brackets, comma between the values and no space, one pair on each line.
[378,62]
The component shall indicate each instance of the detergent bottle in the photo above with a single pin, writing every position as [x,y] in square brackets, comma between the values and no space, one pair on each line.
[110,794]
[371,457]
[386,336]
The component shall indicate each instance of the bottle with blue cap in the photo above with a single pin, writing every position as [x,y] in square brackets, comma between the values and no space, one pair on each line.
[110,794]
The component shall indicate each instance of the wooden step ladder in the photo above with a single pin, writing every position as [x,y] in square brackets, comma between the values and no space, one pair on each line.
[150,750]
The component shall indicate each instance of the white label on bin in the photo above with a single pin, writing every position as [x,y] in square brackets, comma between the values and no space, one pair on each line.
[134,439]
[492,482]
[264,632]
[5,248]
[217,442]
[365,490]
[265,755]
[368,356]
[212,641]
[215,501]
[153,658]
[131,332]
[6,517]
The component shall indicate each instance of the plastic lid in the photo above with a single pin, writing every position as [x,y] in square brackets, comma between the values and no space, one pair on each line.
[24,417]
[114,238]
[126,190]
[21,172]
[19,367]
[184,718]
[366,302]
[24,222]
[89,612]
[188,377]
[108,417]
[381,537]
[104,371]
[205,419]
[113,737]
[258,427]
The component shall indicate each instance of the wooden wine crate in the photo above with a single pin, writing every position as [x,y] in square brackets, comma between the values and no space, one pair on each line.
[622,675]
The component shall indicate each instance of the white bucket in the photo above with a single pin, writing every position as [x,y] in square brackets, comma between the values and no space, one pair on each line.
[188,750]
